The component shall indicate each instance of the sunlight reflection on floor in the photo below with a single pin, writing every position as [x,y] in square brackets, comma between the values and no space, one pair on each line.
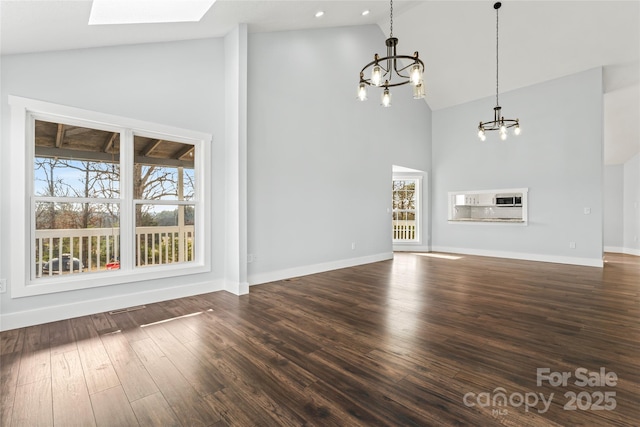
[436,255]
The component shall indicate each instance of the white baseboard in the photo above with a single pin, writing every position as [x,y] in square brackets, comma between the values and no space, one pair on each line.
[621,250]
[83,308]
[272,276]
[589,262]
[237,288]
[411,248]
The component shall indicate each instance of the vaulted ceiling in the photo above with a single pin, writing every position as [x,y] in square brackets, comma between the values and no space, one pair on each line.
[539,41]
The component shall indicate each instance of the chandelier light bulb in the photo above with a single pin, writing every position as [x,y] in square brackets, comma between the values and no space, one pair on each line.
[376,75]
[517,130]
[415,74]
[362,92]
[418,90]
[386,98]
[503,135]
[481,133]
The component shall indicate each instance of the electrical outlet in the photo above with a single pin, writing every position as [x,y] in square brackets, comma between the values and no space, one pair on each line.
[572,245]
[353,246]
[251,258]
[587,211]
[3,286]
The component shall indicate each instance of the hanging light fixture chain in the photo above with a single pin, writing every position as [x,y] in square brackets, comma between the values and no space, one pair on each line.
[391,19]
[497,62]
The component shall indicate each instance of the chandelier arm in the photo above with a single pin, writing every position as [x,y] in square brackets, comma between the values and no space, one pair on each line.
[388,84]
[379,60]
[417,61]
[496,124]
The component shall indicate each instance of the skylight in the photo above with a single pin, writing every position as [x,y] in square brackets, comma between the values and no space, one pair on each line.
[106,12]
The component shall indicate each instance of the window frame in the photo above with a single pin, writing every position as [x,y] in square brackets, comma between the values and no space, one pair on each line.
[24,112]
[418,208]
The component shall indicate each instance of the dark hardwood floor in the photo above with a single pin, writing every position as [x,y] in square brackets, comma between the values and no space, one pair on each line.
[424,339]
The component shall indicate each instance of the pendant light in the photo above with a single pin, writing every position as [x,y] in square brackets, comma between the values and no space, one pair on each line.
[498,123]
[386,72]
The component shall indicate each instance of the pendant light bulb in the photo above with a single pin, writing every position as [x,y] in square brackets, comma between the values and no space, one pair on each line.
[517,129]
[415,74]
[362,92]
[376,75]
[386,97]
[418,90]
[503,136]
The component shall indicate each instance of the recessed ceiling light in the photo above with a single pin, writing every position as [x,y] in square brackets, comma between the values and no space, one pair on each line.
[319,14]
[104,12]
[365,12]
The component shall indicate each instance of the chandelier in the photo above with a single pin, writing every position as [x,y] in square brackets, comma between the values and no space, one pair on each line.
[385,72]
[498,122]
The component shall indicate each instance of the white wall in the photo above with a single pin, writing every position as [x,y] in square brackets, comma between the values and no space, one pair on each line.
[558,157]
[177,84]
[319,166]
[319,162]
[631,206]
[613,208]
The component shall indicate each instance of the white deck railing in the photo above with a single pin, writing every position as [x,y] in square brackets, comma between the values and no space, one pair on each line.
[97,247]
[404,230]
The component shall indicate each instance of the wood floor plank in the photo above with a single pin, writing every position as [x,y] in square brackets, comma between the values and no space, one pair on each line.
[35,363]
[134,378]
[192,369]
[234,410]
[9,369]
[61,337]
[33,404]
[71,402]
[128,326]
[153,410]
[11,341]
[182,397]
[254,392]
[103,323]
[98,370]
[111,408]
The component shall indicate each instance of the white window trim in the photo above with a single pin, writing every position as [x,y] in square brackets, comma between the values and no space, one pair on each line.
[418,178]
[21,191]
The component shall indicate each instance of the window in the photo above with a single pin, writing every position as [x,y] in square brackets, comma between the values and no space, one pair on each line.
[406,203]
[111,200]
[76,199]
[501,206]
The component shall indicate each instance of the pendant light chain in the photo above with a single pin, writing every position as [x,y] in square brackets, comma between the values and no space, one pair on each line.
[391,20]
[497,61]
